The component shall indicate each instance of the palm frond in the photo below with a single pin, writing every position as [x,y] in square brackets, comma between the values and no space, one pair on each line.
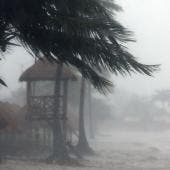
[3,83]
[81,33]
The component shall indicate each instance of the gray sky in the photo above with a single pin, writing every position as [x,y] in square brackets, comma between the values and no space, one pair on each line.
[13,64]
[150,22]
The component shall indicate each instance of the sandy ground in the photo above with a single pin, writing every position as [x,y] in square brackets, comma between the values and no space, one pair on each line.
[115,151]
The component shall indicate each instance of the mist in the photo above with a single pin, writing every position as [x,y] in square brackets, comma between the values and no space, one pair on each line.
[149,20]
[128,128]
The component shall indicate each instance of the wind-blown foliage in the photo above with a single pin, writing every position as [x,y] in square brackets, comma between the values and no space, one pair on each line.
[2,83]
[82,33]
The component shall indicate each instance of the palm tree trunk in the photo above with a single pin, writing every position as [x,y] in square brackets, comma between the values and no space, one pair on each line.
[59,146]
[91,127]
[82,146]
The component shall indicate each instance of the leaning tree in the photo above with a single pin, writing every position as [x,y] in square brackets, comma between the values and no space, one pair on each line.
[81,33]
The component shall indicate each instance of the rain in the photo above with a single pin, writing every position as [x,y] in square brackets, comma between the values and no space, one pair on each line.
[68,101]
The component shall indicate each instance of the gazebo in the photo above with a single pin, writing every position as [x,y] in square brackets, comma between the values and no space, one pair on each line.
[40,79]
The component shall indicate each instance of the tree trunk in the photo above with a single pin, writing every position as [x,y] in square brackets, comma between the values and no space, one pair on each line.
[59,146]
[82,146]
[91,127]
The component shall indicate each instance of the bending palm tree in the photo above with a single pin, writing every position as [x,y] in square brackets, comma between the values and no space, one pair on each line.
[82,33]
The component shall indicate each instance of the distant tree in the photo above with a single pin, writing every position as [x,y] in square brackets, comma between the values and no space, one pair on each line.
[18,96]
[162,96]
[139,108]
[139,111]
[102,112]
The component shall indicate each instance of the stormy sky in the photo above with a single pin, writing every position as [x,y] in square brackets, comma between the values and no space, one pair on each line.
[150,22]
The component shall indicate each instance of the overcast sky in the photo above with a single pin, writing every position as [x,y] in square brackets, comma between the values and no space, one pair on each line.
[150,22]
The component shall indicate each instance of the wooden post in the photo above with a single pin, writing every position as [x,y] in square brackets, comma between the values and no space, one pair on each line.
[28,98]
[65,103]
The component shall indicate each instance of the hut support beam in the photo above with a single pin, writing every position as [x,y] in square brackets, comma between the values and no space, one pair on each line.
[65,100]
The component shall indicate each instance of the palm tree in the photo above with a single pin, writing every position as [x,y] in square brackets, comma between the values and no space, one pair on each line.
[82,33]
[91,121]
[82,146]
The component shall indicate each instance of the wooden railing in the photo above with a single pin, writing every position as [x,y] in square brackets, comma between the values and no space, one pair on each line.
[42,107]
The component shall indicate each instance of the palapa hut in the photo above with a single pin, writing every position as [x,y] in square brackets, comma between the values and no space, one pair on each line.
[40,79]
[37,134]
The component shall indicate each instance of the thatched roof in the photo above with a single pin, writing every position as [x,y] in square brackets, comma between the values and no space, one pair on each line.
[44,70]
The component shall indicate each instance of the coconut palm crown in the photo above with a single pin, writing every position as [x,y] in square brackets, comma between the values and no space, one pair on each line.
[81,33]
